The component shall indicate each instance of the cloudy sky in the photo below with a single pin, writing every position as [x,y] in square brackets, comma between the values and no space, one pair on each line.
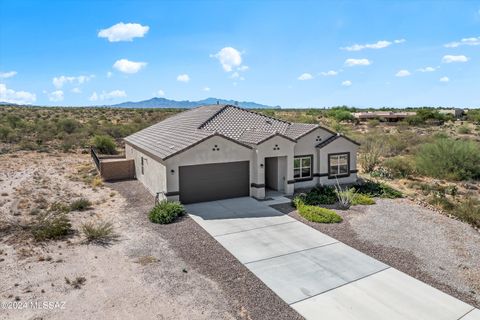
[297,54]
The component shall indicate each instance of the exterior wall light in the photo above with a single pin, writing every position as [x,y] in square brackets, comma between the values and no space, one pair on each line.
[261,165]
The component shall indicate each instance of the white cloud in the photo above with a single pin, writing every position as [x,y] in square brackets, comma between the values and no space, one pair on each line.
[444,79]
[123,32]
[427,69]
[243,68]
[229,58]
[347,83]
[357,62]
[235,75]
[107,95]
[450,59]
[18,97]
[305,76]
[56,96]
[60,81]
[403,73]
[473,41]
[127,66]
[93,97]
[330,73]
[377,45]
[76,90]
[206,89]
[183,78]
[160,93]
[109,74]
[5,75]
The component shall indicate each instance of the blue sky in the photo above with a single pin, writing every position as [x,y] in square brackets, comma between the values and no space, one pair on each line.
[288,53]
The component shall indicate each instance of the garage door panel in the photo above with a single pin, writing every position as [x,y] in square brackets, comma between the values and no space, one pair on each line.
[208,182]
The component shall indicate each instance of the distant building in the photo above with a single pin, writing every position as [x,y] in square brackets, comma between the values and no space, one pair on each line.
[387,116]
[456,112]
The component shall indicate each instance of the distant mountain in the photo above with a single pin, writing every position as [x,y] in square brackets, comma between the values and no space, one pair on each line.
[167,103]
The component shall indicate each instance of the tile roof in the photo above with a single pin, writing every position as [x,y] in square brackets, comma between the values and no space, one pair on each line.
[177,133]
[333,138]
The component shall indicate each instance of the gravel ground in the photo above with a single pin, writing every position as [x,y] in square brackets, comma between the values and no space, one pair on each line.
[438,250]
[246,296]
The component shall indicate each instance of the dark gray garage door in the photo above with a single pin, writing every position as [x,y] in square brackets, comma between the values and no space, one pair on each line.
[208,182]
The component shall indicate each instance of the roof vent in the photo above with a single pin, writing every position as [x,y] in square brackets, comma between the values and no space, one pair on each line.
[172,146]
[268,122]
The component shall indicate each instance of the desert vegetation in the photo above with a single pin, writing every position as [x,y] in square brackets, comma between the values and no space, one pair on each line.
[429,148]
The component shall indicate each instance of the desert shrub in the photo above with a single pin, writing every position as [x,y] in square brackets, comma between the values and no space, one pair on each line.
[473,115]
[59,207]
[4,133]
[316,214]
[371,150]
[340,115]
[68,125]
[428,116]
[166,212]
[449,159]
[104,144]
[362,199]
[372,123]
[81,204]
[50,226]
[463,129]
[101,232]
[399,167]
[377,189]
[468,211]
[441,201]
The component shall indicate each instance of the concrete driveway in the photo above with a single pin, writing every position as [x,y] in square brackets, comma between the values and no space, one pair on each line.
[318,276]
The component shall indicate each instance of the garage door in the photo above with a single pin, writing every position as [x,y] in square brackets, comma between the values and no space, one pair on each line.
[208,182]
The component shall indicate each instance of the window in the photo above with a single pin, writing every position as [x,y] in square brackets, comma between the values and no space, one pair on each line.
[142,160]
[338,164]
[302,167]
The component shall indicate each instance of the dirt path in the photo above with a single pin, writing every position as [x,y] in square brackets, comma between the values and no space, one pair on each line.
[137,277]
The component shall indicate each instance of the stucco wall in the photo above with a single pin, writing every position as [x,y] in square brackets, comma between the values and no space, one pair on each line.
[154,177]
[306,145]
[275,147]
[203,153]
[337,146]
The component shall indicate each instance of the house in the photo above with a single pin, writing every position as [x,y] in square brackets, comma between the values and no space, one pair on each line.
[386,116]
[223,151]
[457,113]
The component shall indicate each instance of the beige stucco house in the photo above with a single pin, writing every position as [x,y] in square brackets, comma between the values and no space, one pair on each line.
[223,151]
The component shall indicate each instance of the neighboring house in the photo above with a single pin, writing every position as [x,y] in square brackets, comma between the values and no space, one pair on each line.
[223,151]
[457,113]
[387,116]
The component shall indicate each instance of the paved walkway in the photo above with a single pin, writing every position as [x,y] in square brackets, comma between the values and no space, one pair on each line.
[318,276]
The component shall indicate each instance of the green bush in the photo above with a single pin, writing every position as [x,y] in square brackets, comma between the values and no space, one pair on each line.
[68,125]
[166,212]
[362,199]
[340,115]
[81,204]
[50,226]
[399,167]
[376,189]
[100,232]
[319,195]
[316,214]
[104,144]
[449,159]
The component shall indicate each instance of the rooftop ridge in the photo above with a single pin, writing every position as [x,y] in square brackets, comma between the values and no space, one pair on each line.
[213,116]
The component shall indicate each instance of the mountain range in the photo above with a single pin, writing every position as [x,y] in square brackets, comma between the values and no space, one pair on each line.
[167,103]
